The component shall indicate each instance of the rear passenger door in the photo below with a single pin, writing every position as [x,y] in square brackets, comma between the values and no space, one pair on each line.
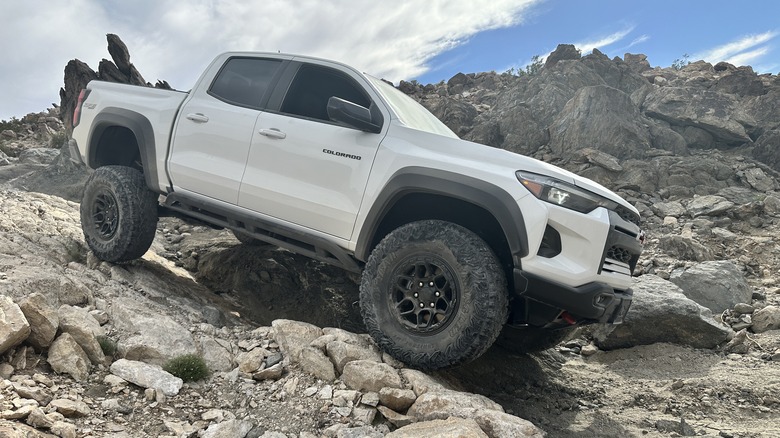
[216,125]
[302,167]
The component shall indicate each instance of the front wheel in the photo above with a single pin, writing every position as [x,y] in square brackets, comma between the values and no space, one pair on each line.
[118,214]
[433,295]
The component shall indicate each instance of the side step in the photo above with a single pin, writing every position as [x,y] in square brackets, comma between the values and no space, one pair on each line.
[295,241]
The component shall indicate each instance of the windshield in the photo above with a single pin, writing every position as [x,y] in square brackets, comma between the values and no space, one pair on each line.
[409,112]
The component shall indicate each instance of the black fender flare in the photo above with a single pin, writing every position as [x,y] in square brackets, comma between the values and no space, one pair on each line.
[140,126]
[490,197]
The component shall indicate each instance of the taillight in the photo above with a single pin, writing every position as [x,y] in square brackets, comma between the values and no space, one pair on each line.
[77,111]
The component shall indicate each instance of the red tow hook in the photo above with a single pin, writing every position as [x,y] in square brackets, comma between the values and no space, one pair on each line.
[568,318]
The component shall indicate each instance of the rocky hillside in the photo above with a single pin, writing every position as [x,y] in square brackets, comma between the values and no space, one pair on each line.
[82,342]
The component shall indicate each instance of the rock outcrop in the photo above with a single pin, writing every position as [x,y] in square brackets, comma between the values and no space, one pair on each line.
[78,74]
[619,106]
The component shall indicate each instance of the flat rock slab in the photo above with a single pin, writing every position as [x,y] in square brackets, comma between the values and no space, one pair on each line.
[147,376]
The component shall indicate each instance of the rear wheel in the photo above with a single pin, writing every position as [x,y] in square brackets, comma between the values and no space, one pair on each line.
[118,214]
[433,295]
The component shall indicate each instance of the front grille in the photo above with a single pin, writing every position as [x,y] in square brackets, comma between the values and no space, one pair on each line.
[627,215]
[623,246]
[619,254]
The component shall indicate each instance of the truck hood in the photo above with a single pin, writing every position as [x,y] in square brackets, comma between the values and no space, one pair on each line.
[533,165]
[476,153]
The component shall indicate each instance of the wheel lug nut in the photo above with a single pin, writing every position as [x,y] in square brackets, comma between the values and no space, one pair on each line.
[422,284]
[433,305]
[422,305]
[416,294]
[430,284]
[437,294]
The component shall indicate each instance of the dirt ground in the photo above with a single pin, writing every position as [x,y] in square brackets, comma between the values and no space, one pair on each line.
[642,391]
[655,390]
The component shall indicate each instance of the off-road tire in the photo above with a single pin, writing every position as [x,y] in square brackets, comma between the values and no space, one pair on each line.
[445,259]
[118,214]
[526,340]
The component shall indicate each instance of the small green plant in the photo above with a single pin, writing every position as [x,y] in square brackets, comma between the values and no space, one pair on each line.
[107,345]
[189,367]
[58,139]
[679,63]
[534,67]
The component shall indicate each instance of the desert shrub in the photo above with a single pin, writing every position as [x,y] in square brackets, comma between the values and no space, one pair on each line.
[534,67]
[188,367]
[107,345]
[58,139]
[13,124]
[679,63]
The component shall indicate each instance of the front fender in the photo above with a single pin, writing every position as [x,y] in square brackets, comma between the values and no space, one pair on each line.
[488,196]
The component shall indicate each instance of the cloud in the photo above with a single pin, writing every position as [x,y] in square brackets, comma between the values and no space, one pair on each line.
[603,41]
[749,57]
[743,51]
[175,40]
[640,40]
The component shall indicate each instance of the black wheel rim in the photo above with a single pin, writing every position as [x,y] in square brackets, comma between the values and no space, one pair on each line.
[105,215]
[424,294]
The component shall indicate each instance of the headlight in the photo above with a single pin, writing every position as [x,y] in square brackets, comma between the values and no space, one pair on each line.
[561,193]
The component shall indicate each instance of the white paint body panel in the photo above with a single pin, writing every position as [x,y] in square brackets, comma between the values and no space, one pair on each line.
[291,181]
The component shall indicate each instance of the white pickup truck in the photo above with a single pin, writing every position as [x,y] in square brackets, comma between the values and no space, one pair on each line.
[457,242]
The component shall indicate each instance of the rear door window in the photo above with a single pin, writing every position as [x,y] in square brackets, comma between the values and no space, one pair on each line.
[244,81]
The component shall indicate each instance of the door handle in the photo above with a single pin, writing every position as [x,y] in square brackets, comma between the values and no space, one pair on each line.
[272,133]
[197,118]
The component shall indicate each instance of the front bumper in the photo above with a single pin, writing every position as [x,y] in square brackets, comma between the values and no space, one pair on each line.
[589,303]
[582,271]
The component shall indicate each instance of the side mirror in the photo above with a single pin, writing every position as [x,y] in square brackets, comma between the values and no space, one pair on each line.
[351,114]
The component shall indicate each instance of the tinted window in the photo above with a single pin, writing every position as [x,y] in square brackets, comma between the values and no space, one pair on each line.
[314,85]
[244,81]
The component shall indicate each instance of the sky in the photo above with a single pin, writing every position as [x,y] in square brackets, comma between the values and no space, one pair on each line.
[426,40]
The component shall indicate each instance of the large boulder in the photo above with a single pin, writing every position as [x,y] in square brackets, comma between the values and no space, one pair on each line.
[147,335]
[14,328]
[43,320]
[293,336]
[660,312]
[765,319]
[445,404]
[716,113]
[66,356]
[367,375]
[84,328]
[767,149]
[561,53]
[603,118]
[449,428]
[147,376]
[716,285]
